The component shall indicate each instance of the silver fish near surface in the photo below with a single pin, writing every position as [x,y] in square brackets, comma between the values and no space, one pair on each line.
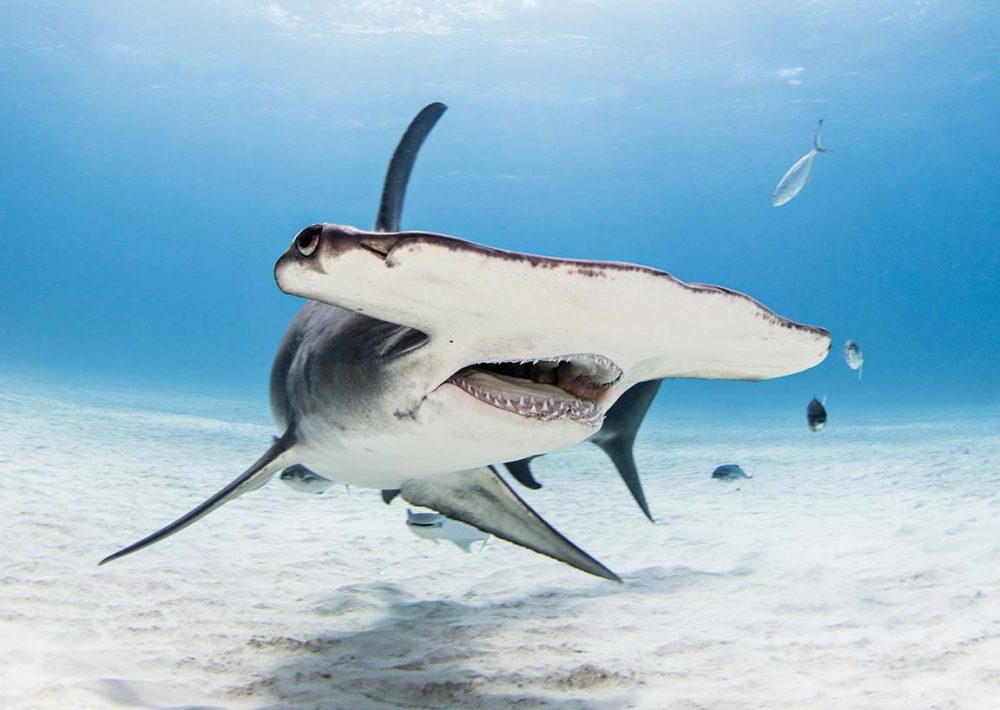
[854,357]
[798,175]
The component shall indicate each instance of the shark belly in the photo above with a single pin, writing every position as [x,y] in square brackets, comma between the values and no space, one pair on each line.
[443,435]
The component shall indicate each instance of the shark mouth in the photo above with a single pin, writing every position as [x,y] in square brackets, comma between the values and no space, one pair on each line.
[569,386]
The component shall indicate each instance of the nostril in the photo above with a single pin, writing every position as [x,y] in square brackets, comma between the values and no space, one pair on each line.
[308,239]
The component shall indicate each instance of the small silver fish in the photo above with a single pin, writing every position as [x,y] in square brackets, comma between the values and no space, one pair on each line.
[797,176]
[433,526]
[855,359]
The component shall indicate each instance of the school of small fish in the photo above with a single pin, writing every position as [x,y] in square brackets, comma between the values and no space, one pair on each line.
[789,186]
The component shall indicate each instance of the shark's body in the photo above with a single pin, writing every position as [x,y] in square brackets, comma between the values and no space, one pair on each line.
[422,359]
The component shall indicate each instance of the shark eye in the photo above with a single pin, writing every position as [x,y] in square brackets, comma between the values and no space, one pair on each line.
[308,239]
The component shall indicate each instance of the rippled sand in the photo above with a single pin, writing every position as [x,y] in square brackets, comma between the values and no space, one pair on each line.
[858,569]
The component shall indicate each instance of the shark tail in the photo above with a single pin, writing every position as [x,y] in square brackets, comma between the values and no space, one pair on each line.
[617,437]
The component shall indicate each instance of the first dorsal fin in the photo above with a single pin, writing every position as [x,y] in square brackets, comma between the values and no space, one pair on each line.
[401,165]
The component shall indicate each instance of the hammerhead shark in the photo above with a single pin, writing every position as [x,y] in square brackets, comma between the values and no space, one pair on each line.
[420,360]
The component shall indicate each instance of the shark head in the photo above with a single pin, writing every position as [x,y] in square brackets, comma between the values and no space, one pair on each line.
[521,353]
[480,390]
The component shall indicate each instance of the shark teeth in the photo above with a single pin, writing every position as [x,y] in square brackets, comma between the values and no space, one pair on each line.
[543,388]
[541,406]
[602,369]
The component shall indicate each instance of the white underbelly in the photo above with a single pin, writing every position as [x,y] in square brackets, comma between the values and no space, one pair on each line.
[449,434]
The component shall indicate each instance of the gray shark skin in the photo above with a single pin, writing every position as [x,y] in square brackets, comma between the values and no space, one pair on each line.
[413,365]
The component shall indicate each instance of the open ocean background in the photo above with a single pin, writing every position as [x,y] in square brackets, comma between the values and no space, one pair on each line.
[157,157]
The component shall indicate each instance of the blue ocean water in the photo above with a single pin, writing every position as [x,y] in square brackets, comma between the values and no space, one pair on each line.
[158,157]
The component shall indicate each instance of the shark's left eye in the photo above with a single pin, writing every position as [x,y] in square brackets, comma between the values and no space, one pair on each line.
[308,239]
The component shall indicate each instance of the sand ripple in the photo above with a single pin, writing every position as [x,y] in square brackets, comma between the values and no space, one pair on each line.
[857,570]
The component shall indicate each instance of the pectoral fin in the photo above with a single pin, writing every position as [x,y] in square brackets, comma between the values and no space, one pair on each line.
[275,459]
[482,499]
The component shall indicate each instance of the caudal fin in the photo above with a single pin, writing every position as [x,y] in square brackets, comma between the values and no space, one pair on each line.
[817,139]
[275,459]
[617,435]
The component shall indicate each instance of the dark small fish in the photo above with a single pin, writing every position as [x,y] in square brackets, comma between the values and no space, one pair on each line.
[816,415]
[730,472]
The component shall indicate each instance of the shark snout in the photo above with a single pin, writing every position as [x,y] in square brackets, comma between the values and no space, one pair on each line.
[327,241]
[320,251]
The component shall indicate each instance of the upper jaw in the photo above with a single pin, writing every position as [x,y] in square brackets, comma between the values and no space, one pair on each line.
[567,387]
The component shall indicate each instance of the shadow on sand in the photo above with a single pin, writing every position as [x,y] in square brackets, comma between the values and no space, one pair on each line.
[522,652]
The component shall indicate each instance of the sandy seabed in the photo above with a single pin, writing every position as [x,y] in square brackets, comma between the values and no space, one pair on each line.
[859,569]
